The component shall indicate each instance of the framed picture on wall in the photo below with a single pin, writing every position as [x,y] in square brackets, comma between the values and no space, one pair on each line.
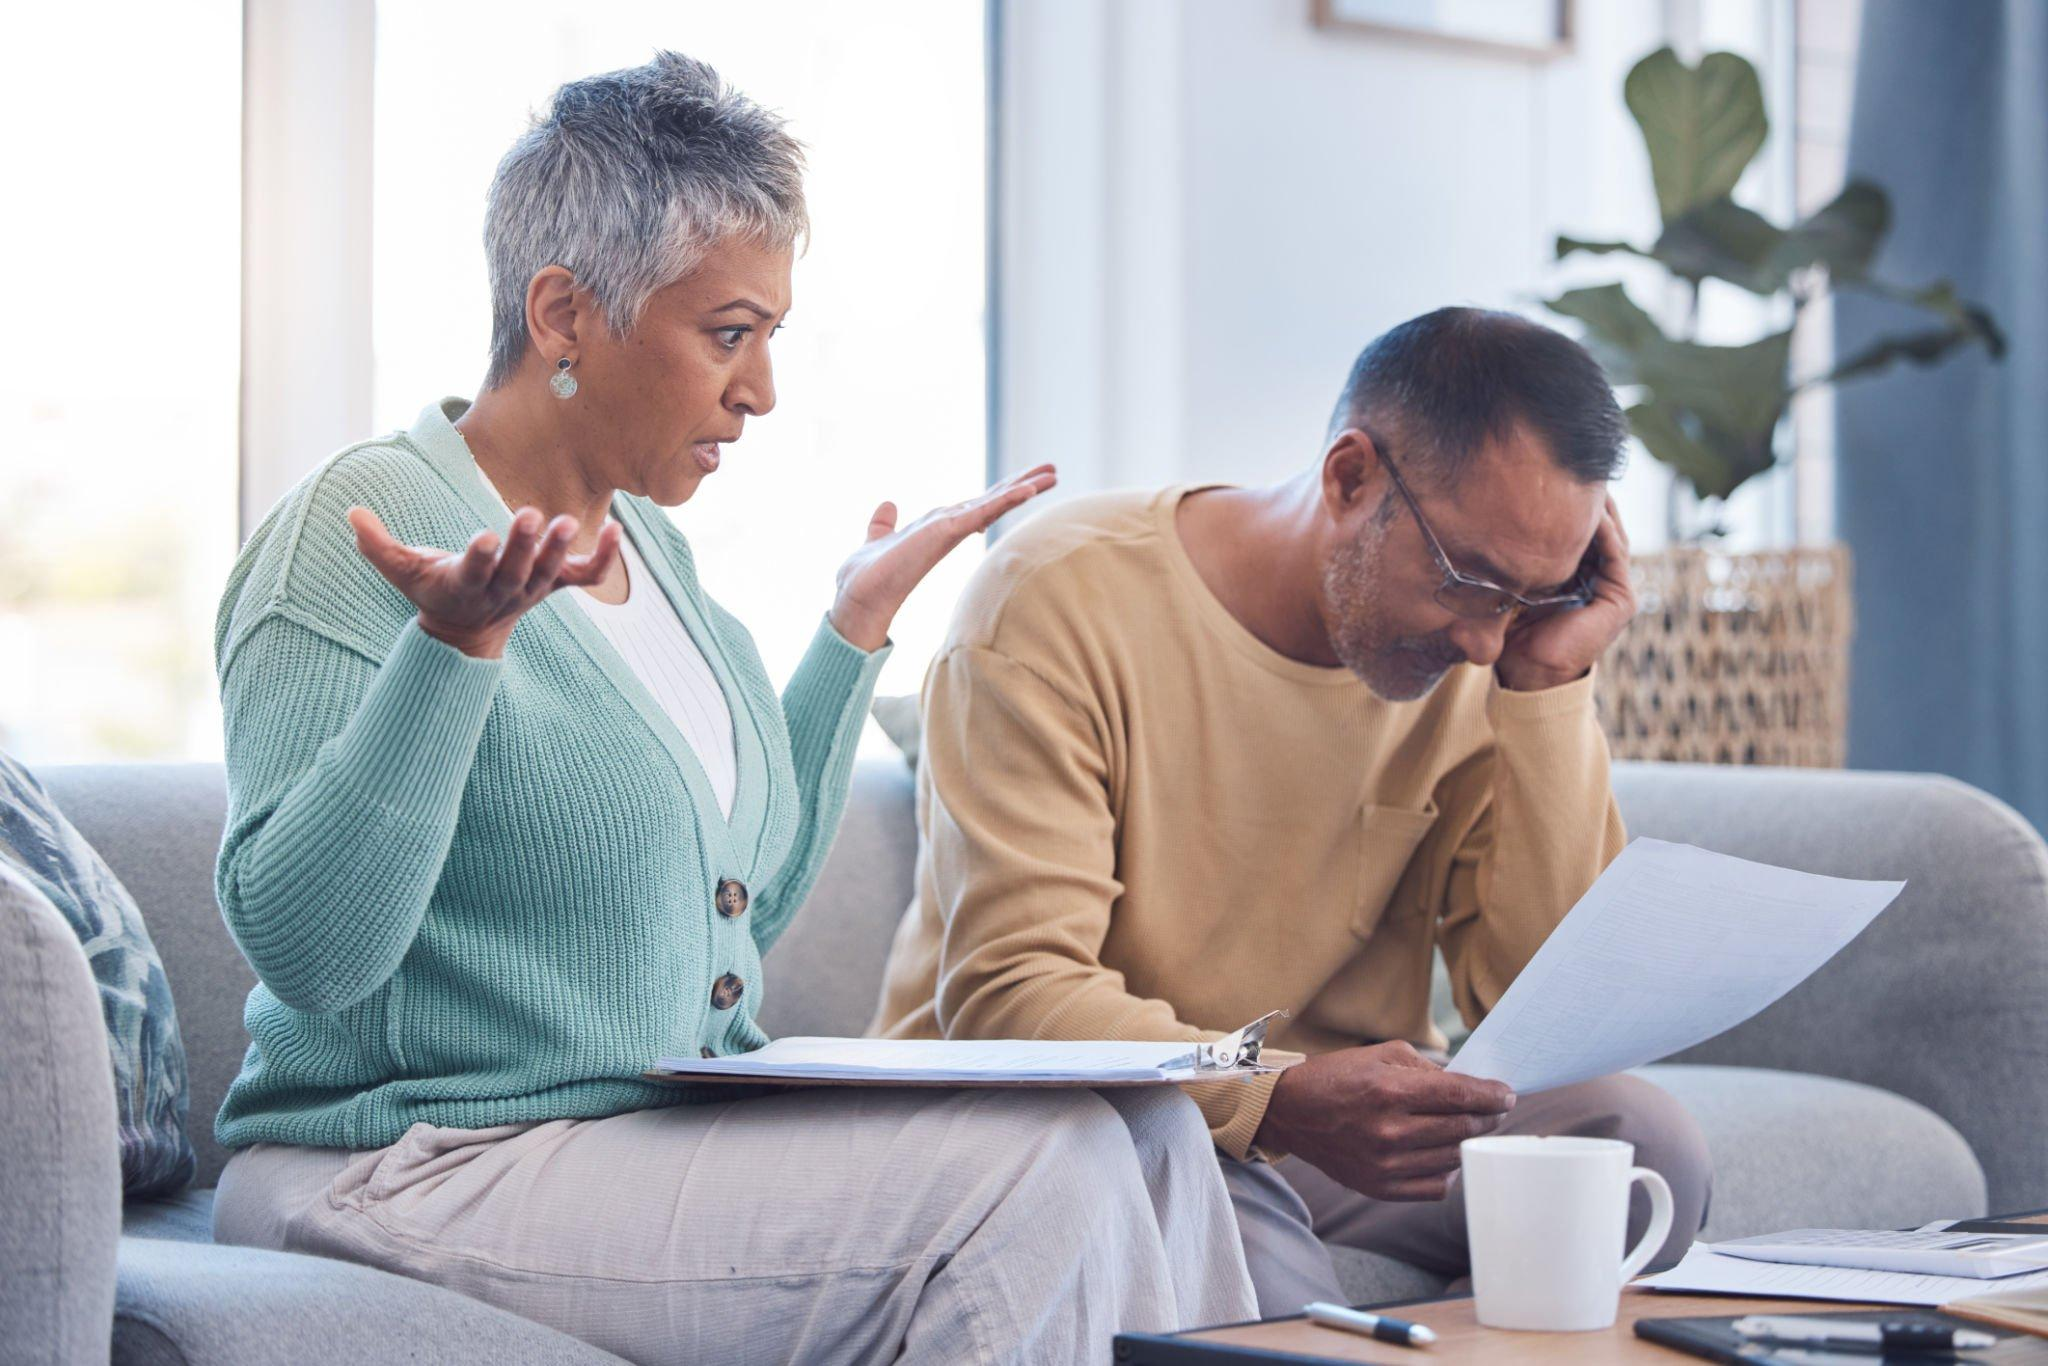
[1522,28]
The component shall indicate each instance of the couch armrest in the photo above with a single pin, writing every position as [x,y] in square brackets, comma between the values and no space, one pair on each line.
[1944,999]
[60,1154]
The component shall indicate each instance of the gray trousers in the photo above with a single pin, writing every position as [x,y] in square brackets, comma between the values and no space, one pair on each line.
[842,1226]
[1288,1210]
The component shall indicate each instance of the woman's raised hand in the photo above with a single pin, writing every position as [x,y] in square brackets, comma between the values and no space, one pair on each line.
[473,599]
[879,576]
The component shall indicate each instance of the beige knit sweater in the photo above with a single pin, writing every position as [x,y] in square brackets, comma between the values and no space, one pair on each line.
[1137,821]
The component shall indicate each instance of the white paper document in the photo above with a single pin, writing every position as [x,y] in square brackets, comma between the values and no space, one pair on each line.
[1671,946]
[961,1062]
[1705,1271]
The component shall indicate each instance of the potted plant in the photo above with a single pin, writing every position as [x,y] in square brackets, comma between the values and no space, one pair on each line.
[1736,658]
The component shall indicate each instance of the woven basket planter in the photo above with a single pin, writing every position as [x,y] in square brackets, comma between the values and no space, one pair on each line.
[1733,659]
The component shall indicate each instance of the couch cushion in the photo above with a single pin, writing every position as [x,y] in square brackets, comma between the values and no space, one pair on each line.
[159,827]
[1940,999]
[1792,1150]
[824,976]
[186,1217]
[240,1306]
[141,1024]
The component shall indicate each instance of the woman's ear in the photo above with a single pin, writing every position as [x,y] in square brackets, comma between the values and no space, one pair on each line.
[555,309]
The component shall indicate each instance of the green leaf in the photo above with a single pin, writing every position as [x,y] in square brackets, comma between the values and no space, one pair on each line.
[1701,125]
[1741,391]
[1661,429]
[1618,333]
[1567,245]
[1920,348]
[1940,298]
[1713,461]
[1723,240]
[1842,235]
[1711,412]
[1923,348]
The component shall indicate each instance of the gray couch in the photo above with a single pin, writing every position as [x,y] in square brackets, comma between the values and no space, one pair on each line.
[1906,1081]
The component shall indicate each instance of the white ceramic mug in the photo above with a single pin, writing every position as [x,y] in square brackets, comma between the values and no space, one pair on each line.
[1546,1218]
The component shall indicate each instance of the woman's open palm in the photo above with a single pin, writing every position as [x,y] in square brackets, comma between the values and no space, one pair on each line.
[472,598]
[876,579]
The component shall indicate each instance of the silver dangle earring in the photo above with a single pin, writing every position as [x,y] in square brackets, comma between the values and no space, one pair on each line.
[562,382]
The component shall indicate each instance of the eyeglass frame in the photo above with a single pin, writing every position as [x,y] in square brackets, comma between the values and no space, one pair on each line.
[1513,604]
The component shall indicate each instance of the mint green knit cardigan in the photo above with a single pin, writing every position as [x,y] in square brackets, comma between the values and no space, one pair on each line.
[479,892]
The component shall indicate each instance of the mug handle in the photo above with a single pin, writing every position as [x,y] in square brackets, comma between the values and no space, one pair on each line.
[1660,1222]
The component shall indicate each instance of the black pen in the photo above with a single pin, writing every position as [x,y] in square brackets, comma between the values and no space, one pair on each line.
[1826,1334]
[1370,1325]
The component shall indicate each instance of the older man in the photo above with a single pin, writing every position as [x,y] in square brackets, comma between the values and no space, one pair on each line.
[1194,754]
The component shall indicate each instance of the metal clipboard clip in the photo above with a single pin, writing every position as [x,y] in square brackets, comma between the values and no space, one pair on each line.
[1238,1049]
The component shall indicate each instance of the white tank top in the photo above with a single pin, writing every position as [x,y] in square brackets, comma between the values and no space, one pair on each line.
[648,634]
[655,644]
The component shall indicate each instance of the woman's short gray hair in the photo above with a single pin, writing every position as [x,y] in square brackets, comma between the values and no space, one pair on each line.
[626,181]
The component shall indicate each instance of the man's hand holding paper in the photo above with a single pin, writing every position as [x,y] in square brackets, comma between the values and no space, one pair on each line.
[1384,1120]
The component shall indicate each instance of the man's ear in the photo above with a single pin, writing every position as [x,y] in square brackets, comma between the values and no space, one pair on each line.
[1351,474]
[555,310]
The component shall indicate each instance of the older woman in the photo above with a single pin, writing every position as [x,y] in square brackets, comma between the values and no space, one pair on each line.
[494,846]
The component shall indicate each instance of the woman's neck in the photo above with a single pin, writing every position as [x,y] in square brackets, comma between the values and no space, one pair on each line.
[527,455]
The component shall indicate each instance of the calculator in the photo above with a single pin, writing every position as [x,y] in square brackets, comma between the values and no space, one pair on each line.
[1981,1256]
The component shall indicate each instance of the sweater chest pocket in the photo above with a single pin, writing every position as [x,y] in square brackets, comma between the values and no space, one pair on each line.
[1387,840]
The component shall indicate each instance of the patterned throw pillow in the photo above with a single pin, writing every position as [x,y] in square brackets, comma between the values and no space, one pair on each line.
[142,1028]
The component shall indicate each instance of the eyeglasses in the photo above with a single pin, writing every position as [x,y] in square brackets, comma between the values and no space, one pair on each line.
[1477,598]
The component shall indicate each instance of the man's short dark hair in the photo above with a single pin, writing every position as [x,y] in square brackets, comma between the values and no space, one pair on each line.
[1439,387]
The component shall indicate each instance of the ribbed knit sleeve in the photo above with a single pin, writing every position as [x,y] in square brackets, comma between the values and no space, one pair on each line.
[344,782]
[825,704]
[1538,834]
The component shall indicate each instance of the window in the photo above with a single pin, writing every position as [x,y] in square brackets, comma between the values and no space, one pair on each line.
[118,400]
[879,372]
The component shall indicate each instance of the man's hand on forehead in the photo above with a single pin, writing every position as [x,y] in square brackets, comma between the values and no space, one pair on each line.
[1558,647]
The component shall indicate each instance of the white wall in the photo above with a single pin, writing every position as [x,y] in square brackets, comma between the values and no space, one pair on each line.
[306,359]
[1209,207]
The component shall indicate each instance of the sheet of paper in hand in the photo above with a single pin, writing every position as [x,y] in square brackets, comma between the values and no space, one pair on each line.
[1671,946]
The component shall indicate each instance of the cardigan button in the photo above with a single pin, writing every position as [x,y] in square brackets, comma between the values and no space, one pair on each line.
[706,1053]
[732,898]
[725,992]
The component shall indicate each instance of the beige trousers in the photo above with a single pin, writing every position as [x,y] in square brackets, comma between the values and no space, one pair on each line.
[1288,1211]
[845,1225]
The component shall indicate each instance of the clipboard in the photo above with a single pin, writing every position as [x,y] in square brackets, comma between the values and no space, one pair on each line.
[959,1063]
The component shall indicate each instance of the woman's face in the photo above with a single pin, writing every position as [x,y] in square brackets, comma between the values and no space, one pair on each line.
[666,399]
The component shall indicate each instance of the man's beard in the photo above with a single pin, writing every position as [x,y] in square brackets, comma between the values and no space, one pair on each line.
[1399,670]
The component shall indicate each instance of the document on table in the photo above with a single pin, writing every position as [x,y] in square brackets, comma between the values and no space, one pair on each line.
[1671,946]
[1705,1271]
[960,1062]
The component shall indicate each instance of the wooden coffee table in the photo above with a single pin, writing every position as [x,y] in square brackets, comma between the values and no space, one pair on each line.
[1460,1338]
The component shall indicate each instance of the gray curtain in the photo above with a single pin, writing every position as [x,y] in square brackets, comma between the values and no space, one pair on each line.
[1942,474]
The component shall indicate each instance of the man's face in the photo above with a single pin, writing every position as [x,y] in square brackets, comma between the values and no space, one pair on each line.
[1515,518]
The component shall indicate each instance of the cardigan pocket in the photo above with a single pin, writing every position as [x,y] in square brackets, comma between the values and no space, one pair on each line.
[1387,840]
